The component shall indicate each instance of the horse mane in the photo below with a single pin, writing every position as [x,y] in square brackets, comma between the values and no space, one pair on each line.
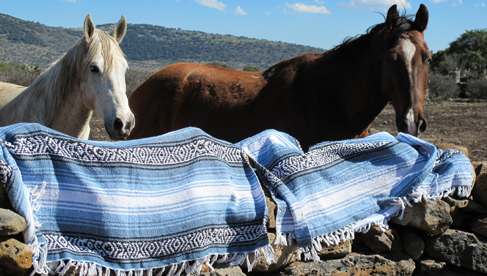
[354,47]
[52,87]
[351,47]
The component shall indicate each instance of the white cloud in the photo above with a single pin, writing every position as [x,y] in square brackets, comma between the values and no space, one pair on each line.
[372,4]
[240,11]
[212,4]
[482,4]
[307,8]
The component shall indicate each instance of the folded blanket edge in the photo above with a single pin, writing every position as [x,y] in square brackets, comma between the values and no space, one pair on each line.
[395,208]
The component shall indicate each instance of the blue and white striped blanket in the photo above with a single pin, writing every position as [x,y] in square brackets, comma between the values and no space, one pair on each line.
[185,198]
[132,205]
[339,188]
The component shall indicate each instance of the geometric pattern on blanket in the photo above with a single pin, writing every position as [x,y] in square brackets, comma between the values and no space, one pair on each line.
[132,205]
[339,188]
[181,199]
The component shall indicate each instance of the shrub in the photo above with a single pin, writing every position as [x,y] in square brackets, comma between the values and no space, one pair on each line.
[216,63]
[477,88]
[19,74]
[250,68]
[134,78]
[442,87]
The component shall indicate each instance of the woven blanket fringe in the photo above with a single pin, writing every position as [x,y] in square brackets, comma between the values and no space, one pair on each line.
[62,267]
[348,233]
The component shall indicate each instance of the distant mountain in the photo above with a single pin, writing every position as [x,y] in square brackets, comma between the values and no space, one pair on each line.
[146,46]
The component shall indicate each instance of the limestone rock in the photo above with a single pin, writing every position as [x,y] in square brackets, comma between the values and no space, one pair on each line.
[4,201]
[353,264]
[272,207]
[11,223]
[480,167]
[430,267]
[458,219]
[447,146]
[459,203]
[228,271]
[459,248]
[479,191]
[412,244]
[378,240]
[283,255]
[479,225]
[475,207]
[15,256]
[337,251]
[431,216]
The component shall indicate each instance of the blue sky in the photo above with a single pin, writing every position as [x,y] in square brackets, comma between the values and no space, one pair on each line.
[317,23]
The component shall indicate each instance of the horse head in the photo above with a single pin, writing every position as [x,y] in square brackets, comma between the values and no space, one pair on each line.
[103,80]
[405,65]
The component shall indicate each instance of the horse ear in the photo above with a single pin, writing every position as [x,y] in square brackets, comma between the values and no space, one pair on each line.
[392,17]
[422,18]
[120,29]
[89,28]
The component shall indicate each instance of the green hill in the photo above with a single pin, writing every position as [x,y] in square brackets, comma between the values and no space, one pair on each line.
[146,46]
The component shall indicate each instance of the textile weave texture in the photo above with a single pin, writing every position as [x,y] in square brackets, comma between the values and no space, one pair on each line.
[176,201]
[339,188]
[132,205]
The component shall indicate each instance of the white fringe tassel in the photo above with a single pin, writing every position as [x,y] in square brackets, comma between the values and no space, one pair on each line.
[347,234]
[62,267]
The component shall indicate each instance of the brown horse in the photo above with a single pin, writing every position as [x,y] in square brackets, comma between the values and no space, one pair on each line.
[314,97]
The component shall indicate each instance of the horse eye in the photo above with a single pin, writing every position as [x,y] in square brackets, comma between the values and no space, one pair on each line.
[94,69]
[428,60]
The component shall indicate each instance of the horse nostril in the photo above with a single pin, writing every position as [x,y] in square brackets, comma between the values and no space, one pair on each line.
[118,124]
[422,125]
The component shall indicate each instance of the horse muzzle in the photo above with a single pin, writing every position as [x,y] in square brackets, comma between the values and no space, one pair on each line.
[120,129]
[411,126]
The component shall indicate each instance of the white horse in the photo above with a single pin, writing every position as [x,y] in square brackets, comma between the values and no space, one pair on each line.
[89,77]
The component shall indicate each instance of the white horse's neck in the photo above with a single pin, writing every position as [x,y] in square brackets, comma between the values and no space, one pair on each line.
[72,116]
[53,100]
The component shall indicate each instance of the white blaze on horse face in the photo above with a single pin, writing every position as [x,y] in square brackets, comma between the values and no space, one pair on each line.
[411,123]
[408,49]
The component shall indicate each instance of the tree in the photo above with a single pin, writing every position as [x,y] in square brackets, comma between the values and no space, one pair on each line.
[471,48]
[251,68]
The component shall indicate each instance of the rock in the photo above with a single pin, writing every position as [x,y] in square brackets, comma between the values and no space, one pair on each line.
[480,167]
[272,207]
[459,203]
[338,251]
[430,267]
[459,248]
[412,244]
[4,201]
[377,240]
[475,207]
[353,264]
[431,216]
[283,255]
[479,225]
[479,191]
[447,146]
[228,271]
[458,219]
[11,223]
[15,256]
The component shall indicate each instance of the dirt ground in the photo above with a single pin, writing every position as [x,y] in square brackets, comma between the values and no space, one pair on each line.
[462,123]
